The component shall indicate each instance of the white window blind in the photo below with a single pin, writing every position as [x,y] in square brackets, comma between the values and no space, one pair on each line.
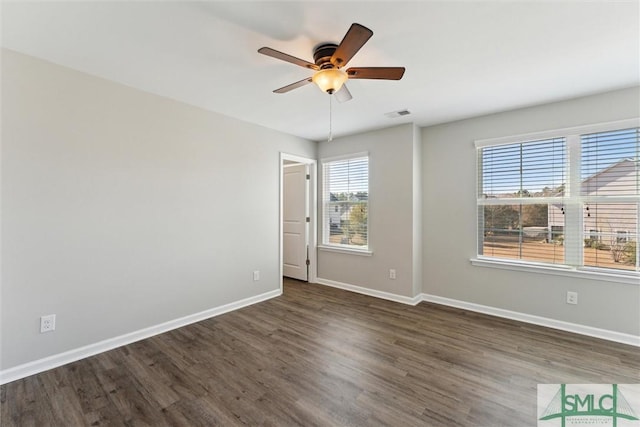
[610,190]
[521,192]
[346,202]
[571,200]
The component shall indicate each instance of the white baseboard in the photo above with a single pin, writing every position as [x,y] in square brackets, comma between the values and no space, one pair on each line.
[370,292]
[605,334]
[41,365]
[537,320]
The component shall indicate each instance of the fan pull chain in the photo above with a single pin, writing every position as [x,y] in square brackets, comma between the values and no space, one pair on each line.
[330,124]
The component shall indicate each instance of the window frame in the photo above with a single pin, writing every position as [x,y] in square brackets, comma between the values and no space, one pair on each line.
[573,267]
[324,245]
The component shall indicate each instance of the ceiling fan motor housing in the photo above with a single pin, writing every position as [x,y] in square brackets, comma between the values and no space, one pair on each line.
[322,55]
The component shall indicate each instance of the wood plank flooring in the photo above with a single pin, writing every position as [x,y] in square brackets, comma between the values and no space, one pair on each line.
[319,356]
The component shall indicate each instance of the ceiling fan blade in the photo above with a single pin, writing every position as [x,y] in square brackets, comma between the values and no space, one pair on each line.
[343,95]
[293,86]
[288,58]
[383,73]
[355,38]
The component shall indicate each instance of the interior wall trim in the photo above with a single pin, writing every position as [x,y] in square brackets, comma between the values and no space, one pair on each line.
[56,360]
[370,292]
[606,334]
[590,331]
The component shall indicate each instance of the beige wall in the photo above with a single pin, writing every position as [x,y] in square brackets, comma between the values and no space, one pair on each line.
[449,220]
[122,210]
[392,215]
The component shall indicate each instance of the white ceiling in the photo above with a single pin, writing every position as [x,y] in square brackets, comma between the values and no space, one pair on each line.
[463,59]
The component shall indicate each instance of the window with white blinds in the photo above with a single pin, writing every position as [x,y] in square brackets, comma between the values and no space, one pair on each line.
[571,200]
[610,190]
[345,204]
[521,206]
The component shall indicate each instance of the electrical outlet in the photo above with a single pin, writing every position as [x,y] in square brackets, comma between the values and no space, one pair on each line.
[48,323]
[256,275]
[572,297]
[392,273]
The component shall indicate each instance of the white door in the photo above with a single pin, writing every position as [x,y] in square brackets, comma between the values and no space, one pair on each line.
[294,222]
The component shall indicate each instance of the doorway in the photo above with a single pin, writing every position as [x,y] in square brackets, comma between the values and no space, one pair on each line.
[298,217]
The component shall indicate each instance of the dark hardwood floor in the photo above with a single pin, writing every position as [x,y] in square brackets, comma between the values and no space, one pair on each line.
[322,356]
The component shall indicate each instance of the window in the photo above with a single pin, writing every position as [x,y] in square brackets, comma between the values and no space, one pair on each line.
[571,200]
[609,190]
[346,202]
[622,236]
[521,203]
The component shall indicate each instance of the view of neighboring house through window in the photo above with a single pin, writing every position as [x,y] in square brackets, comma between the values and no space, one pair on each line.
[346,202]
[610,190]
[571,200]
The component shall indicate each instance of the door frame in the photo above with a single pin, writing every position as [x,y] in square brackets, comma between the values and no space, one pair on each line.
[313,209]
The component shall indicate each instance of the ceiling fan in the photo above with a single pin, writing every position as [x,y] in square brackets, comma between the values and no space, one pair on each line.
[329,60]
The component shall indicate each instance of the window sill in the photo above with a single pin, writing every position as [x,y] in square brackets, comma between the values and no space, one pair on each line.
[631,278]
[350,251]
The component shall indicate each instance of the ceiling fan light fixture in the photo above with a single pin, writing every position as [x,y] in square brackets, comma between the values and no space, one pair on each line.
[330,80]
[330,58]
